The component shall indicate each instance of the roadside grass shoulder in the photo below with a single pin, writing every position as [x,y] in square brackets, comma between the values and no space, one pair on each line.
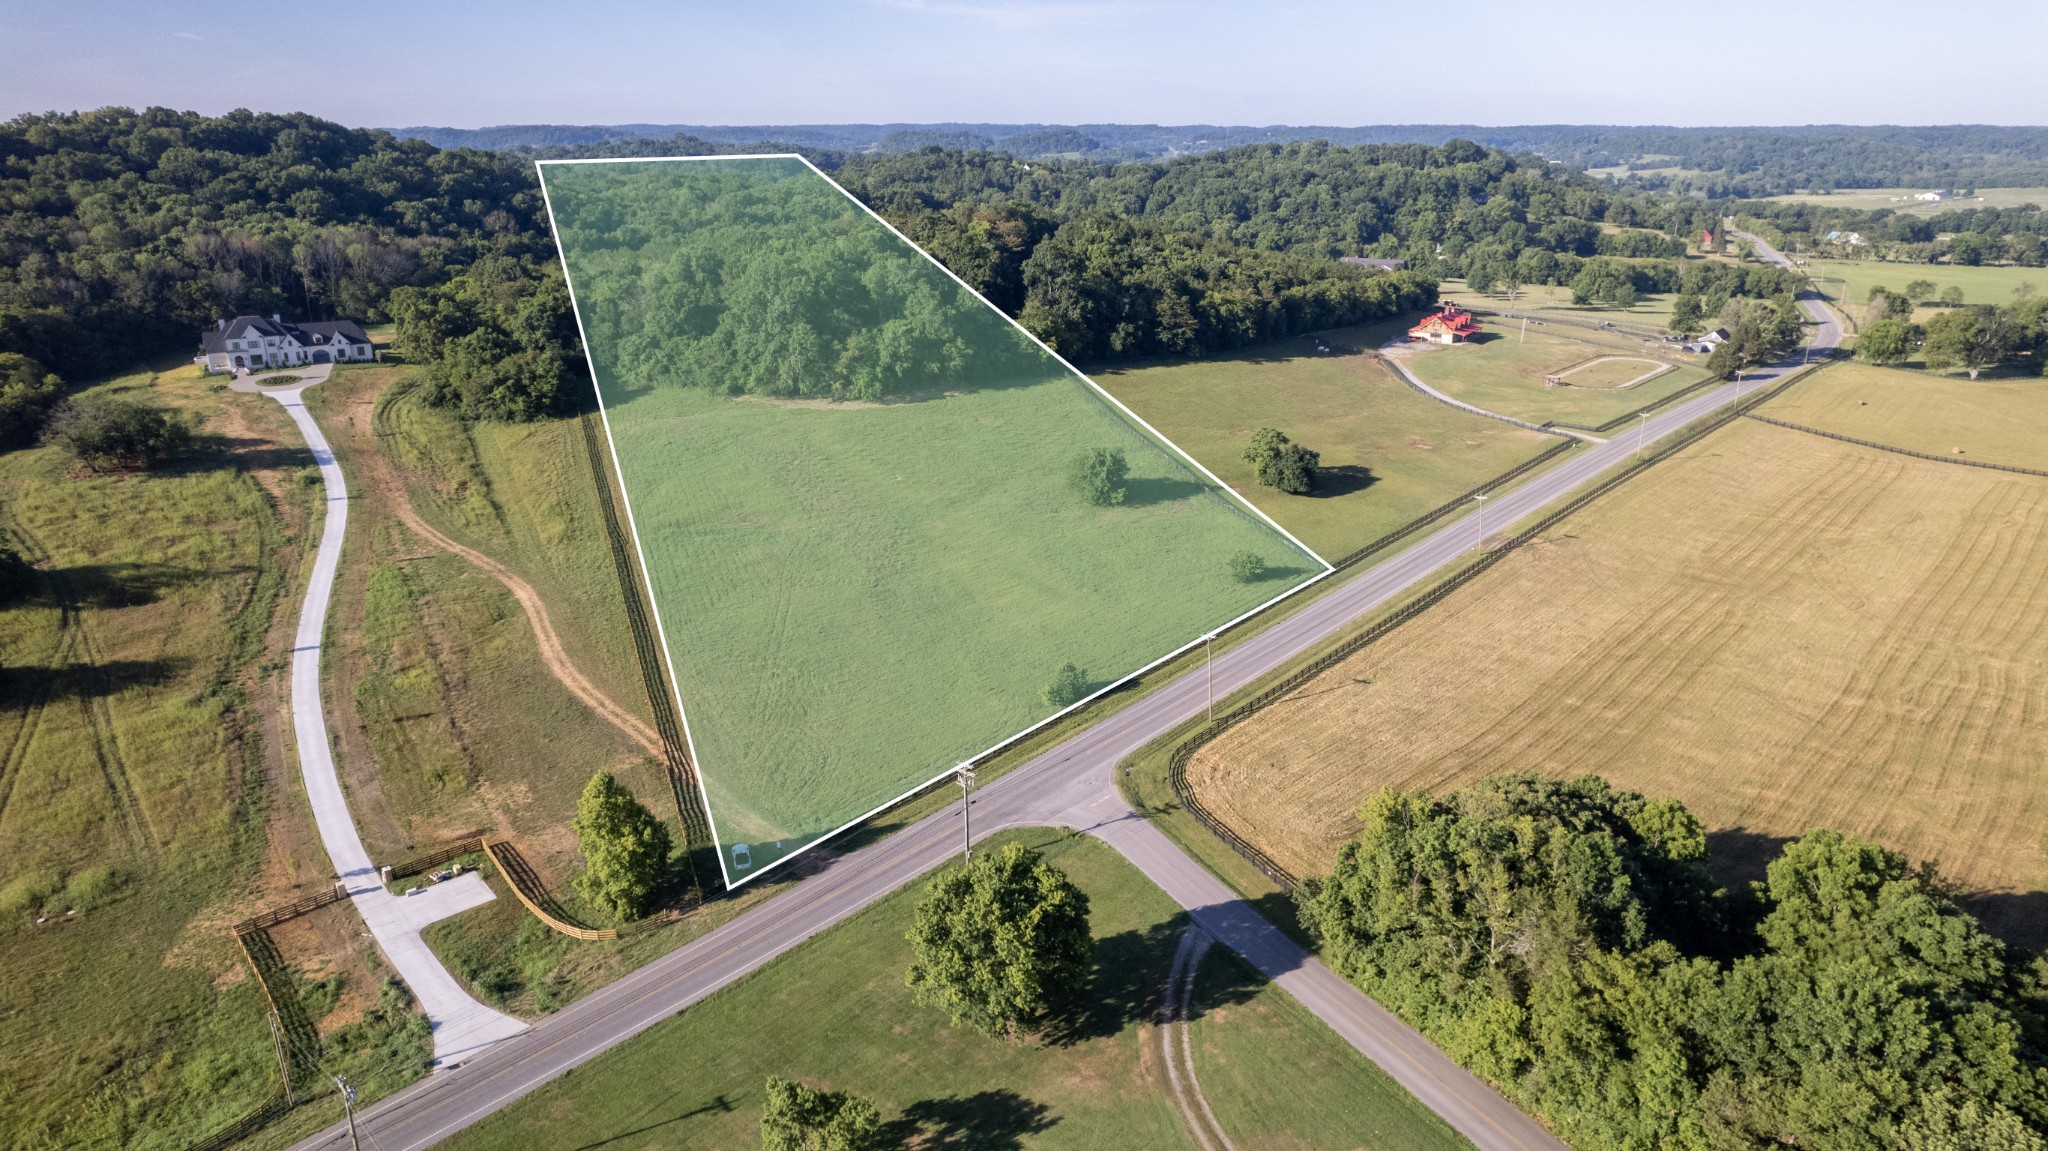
[132,787]
[2001,421]
[835,1013]
[1392,453]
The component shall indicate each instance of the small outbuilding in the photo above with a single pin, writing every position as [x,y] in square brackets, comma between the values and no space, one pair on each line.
[1449,325]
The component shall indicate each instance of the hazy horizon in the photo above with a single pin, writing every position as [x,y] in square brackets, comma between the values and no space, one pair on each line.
[1065,62]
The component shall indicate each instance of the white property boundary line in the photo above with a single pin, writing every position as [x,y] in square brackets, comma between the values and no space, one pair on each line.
[647,577]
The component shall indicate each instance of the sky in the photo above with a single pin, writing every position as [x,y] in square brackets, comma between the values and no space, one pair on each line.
[470,63]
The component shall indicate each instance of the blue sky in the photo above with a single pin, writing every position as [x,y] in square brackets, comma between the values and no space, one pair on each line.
[468,64]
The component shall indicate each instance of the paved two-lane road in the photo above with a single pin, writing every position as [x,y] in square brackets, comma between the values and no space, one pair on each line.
[1070,784]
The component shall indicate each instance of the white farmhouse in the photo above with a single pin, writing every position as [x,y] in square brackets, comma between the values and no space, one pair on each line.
[254,344]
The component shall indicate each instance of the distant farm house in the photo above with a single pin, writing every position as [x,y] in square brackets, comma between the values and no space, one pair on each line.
[1708,342]
[252,343]
[1383,264]
[1932,197]
[1451,325]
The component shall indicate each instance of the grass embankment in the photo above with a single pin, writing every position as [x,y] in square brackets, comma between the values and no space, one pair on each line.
[132,776]
[1780,630]
[1391,453]
[835,1013]
[1504,372]
[2001,421]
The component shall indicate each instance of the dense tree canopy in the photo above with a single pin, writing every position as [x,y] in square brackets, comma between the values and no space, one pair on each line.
[124,233]
[27,393]
[999,943]
[1563,939]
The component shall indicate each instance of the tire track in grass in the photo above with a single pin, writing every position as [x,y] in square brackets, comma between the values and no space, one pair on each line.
[377,474]
[1176,1010]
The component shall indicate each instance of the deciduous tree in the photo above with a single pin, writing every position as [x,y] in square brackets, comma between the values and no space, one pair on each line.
[1101,475]
[795,1117]
[999,943]
[1279,462]
[109,434]
[625,848]
[1885,342]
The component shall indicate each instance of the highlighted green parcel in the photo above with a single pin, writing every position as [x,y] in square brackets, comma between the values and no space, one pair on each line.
[883,530]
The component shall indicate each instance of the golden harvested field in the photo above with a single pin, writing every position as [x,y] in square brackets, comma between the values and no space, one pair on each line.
[1781,630]
[2001,421]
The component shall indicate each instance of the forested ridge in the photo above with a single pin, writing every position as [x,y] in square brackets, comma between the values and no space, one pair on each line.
[1565,940]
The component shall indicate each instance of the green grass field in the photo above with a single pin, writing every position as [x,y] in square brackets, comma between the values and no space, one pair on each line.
[131,782]
[1351,408]
[1901,200]
[857,595]
[835,1013]
[1504,372]
[1992,421]
[1980,285]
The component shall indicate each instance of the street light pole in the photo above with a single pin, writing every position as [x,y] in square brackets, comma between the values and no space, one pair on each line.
[964,776]
[1480,544]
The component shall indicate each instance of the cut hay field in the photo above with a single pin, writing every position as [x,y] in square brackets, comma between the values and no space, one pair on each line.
[1782,631]
[1415,452]
[2002,421]
[851,484]
[1504,372]
[135,672]
[835,1013]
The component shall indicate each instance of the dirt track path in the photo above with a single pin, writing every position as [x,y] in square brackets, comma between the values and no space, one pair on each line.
[379,476]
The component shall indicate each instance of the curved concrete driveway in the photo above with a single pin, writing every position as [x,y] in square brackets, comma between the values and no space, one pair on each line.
[1070,784]
[461,1025]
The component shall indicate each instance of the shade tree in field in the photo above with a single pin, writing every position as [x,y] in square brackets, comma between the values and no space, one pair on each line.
[625,848]
[1279,462]
[1564,939]
[1069,686]
[1247,567]
[1971,339]
[1885,342]
[1920,291]
[106,433]
[1687,316]
[1952,296]
[1101,476]
[796,1117]
[1000,943]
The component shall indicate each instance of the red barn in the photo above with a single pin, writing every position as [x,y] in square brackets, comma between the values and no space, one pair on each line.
[1449,326]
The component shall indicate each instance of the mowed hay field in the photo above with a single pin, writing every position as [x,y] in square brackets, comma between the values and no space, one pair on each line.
[1503,372]
[1349,407]
[1781,630]
[1901,200]
[2003,421]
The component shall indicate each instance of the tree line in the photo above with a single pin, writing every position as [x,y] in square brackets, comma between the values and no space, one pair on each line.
[1565,940]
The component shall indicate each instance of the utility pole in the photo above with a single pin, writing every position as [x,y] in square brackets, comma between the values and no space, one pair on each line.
[348,1104]
[284,1063]
[1480,544]
[1643,426]
[964,776]
[1525,331]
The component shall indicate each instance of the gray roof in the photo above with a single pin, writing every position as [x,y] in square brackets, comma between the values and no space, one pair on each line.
[311,334]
